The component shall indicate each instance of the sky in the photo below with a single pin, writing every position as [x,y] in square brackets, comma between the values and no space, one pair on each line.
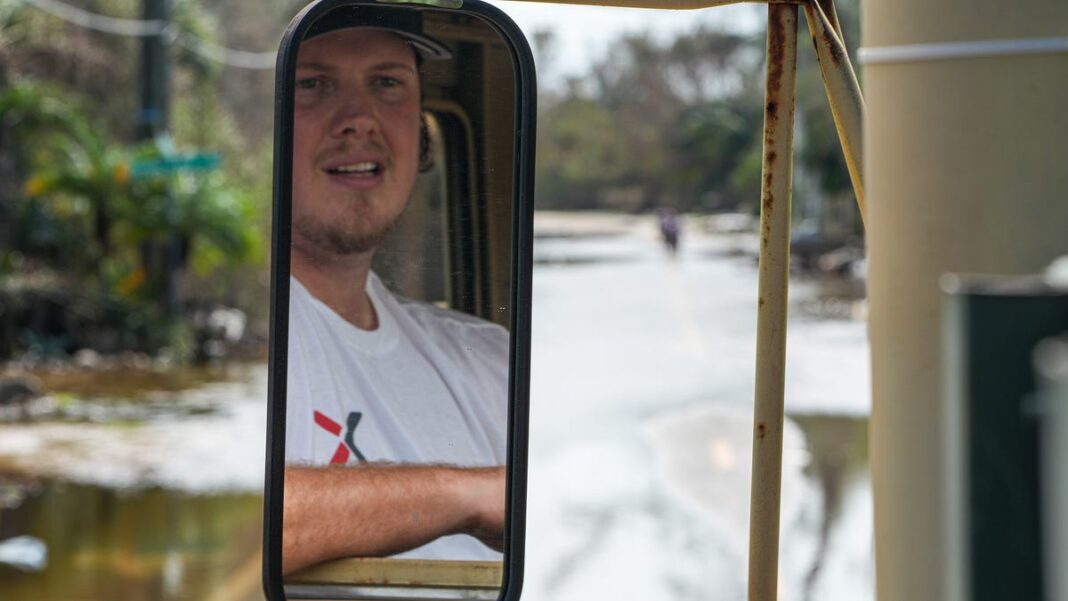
[583,33]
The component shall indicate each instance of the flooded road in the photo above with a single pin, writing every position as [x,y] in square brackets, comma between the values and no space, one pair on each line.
[642,380]
[641,396]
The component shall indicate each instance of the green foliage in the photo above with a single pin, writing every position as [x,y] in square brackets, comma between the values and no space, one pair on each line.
[679,123]
[818,148]
[657,123]
[61,158]
[76,225]
[192,21]
[818,151]
[746,177]
[73,173]
[713,140]
[581,152]
[218,219]
[82,213]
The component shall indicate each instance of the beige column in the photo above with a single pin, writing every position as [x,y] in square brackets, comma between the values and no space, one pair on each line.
[966,169]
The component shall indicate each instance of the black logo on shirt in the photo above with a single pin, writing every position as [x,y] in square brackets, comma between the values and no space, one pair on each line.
[350,442]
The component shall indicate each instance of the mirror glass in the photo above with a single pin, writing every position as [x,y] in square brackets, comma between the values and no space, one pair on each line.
[403,162]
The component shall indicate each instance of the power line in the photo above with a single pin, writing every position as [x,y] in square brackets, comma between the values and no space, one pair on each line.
[143,28]
[84,18]
[228,56]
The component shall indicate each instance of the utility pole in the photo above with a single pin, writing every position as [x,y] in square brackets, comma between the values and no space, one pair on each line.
[155,74]
[152,123]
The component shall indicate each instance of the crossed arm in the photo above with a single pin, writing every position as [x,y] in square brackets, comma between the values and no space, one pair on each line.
[377,510]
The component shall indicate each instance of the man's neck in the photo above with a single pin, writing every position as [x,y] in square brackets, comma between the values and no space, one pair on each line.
[340,283]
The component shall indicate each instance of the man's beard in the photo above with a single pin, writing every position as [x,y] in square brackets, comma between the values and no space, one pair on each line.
[333,238]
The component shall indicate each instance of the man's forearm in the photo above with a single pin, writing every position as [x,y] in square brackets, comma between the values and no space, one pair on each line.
[369,510]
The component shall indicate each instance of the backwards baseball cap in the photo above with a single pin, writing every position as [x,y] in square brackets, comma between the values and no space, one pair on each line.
[406,23]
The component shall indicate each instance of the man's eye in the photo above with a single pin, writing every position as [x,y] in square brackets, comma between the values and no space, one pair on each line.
[388,82]
[309,83]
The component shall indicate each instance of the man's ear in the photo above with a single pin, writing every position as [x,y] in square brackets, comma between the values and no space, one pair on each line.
[426,157]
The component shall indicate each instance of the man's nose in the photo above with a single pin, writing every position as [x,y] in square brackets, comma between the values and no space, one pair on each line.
[355,117]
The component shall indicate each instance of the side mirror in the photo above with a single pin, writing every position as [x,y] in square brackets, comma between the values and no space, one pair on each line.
[404,152]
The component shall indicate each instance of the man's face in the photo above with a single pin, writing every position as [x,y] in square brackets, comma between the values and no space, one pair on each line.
[355,139]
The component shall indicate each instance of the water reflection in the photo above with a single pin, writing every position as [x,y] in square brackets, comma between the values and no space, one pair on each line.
[146,544]
[140,483]
[841,563]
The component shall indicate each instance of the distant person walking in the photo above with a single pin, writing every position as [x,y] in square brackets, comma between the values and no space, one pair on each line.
[669,229]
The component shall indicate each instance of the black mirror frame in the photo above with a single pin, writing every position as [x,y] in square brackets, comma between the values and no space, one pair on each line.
[522,239]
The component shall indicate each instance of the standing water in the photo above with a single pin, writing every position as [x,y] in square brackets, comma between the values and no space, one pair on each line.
[140,485]
[149,487]
[641,420]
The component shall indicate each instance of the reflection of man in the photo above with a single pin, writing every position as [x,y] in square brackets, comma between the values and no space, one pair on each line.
[396,411]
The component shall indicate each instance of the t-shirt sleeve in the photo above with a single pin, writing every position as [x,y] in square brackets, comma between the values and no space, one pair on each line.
[299,445]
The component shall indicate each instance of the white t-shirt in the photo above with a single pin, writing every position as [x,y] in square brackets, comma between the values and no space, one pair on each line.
[429,386]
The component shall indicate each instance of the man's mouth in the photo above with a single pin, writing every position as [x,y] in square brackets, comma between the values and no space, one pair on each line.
[363,169]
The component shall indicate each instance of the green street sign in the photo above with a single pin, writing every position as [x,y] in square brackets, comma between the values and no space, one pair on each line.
[200,161]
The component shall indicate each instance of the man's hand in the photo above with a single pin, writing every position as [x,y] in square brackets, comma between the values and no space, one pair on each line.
[378,510]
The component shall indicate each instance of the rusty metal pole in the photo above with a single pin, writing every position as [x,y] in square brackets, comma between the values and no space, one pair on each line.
[774,270]
[827,6]
[843,91]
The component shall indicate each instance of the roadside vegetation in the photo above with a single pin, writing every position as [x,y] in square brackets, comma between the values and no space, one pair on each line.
[89,230]
[88,236]
[678,123]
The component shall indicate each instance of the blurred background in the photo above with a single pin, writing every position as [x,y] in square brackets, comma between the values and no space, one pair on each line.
[135,188]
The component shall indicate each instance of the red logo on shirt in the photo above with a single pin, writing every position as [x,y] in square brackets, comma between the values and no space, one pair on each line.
[347,445]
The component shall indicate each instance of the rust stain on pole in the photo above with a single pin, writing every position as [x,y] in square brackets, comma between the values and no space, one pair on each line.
[774,268]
